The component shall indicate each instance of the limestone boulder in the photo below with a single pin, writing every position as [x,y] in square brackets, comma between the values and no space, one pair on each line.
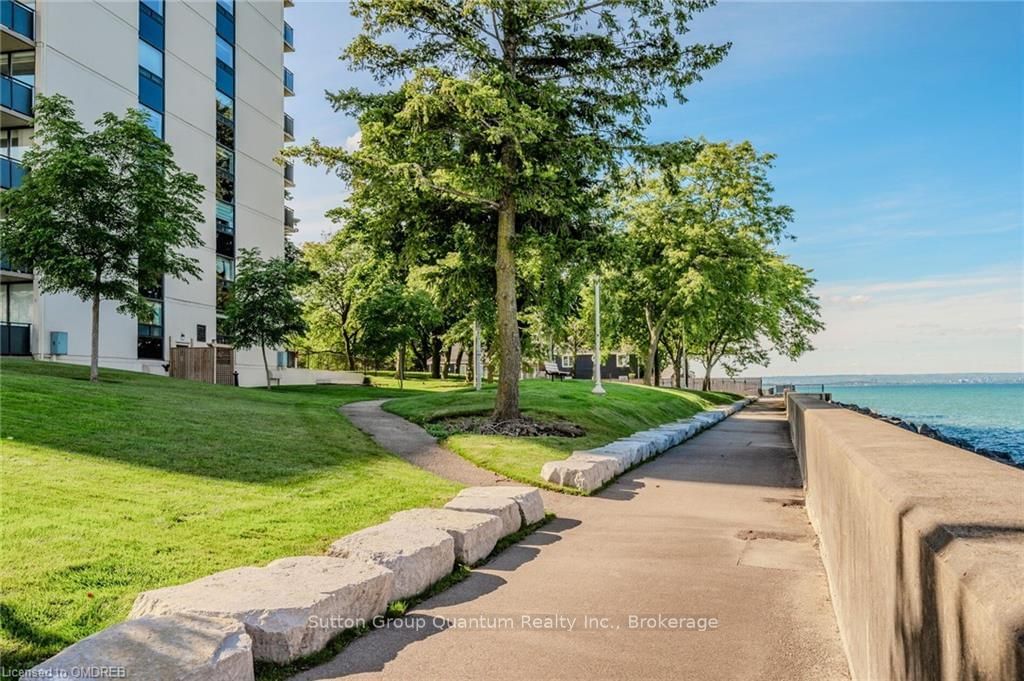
[474,534]
[531,504]
[583,475]
[505,508]
[611,465]
[171,648]
[290,608]
[418,555]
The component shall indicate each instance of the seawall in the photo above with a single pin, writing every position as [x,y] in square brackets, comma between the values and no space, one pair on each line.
[923,544]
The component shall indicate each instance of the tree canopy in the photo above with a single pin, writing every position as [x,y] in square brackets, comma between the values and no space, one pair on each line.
[103,215]
[511,112]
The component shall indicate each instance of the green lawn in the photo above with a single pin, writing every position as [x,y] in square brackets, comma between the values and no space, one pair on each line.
[142,481]
[624,410]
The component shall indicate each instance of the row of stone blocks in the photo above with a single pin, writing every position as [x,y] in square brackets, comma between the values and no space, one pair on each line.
[213,629]
[589,470]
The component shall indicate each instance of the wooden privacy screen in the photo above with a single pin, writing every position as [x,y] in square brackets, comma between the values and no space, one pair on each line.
[209,364]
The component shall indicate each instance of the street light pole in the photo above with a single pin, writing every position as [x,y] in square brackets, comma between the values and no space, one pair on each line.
[598,388]
[477,364]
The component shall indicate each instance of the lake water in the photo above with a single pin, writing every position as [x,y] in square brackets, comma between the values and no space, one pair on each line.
[987,415]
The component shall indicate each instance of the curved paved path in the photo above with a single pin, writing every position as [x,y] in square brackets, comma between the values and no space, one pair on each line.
[712,528]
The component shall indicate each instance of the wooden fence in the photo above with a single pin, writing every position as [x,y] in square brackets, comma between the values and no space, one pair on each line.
[206,363]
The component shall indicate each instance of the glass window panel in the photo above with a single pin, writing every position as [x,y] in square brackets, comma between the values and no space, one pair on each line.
[225,52]
[225,79]
[21,303]
[228,5]
[226,212]
[225,268]
[151,90]
[151,28]
[225,25]
[155,5]
[155,120]
[151,58]
[3,303]
[225,188]
[225,160]
[21,65]
[225,106]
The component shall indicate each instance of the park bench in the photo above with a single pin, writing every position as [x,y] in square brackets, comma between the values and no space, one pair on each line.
[551,369]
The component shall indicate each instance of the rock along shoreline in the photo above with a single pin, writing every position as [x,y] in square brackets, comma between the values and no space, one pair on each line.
[933,433]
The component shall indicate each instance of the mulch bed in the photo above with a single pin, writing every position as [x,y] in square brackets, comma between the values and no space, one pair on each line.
[521,427]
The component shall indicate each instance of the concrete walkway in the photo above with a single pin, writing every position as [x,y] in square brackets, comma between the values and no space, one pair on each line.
[714,528]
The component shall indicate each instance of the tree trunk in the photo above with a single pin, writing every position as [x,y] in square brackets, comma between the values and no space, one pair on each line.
[707,376]
[435,357]
[506,404]
[349,357]
[677,371]
[458,361]
[401,366]
[652,354]
[94,354]
[447,362]
[266,365]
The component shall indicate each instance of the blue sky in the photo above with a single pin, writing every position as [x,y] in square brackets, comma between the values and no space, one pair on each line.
[899,130]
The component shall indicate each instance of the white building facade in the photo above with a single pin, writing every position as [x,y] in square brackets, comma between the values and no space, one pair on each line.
[211,74]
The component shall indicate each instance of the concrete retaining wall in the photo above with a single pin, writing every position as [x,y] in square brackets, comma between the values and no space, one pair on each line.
[923,544]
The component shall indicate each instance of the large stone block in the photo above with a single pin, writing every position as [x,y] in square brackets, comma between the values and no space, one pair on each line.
[291,608]
[172,648]
[506,509]
[531,504]
[611,465]
[583,475]
[418,555]
[474,534]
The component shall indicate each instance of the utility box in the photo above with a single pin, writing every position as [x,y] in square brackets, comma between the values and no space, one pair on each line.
[58,342]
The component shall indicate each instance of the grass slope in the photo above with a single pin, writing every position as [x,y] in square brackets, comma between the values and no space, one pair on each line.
[142,481]
[624,410]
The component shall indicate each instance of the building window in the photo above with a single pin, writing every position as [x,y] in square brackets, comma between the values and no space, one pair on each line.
[201,333]
[225,53]
[154,119]
[225,188]
[225,268]
[225,160]
[155,6]
[151,90]
[227,5]
[151,59]
[225,79]
[567,361]
[622,361]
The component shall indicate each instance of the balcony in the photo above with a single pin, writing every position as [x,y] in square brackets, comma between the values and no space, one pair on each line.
[289,175]
[289,128]
[18,24]
[289,220]
[289,83]
[15,338]
[11,173]
[15,102]
[289,38]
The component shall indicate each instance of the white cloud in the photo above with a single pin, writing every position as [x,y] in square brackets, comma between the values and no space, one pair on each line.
[969,322]
[354,141]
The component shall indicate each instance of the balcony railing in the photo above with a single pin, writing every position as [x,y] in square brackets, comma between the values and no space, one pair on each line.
[15,338]
[11,173]
[18,18]
[289,83]
[289,174]
[289,38]
[16,95]
[289,128]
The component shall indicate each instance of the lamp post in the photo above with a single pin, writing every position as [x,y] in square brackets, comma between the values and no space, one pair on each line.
[477,364]
[598,388]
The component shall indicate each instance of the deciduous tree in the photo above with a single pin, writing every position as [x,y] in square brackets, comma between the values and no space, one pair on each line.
[263,310]
[101,214]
